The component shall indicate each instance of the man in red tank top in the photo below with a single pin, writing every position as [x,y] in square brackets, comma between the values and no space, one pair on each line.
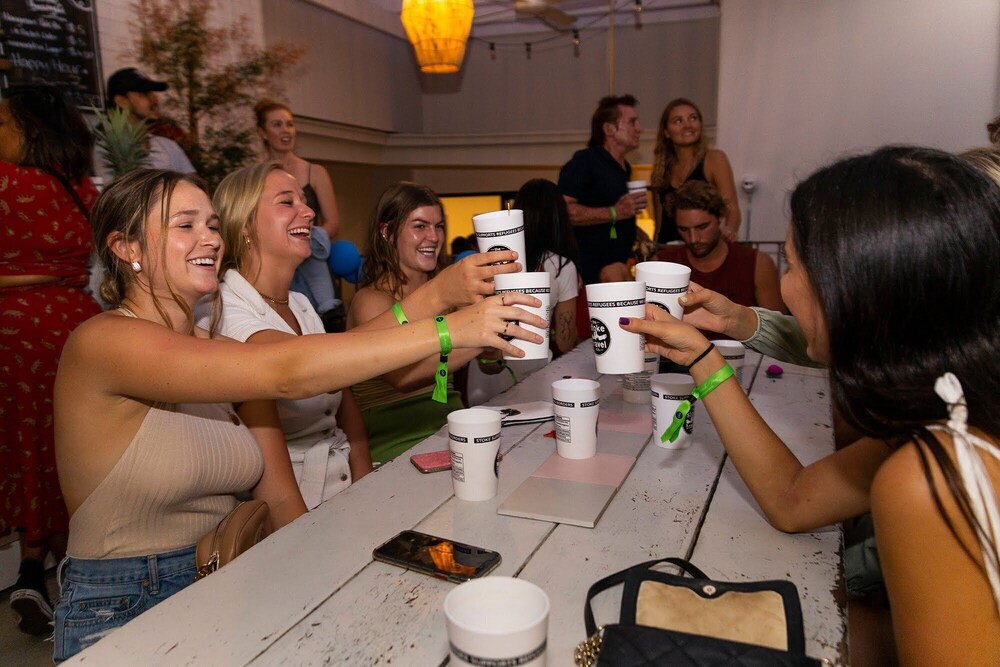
[740,273]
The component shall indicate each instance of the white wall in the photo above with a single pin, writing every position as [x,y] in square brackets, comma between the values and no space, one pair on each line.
[802,83]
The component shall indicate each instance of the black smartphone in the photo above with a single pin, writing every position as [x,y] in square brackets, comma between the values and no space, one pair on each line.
[437,556]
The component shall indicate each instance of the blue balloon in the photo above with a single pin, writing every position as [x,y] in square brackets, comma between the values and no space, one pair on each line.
[344,260]
[462,255]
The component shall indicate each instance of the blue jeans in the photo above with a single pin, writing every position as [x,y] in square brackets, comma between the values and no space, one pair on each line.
[97,596]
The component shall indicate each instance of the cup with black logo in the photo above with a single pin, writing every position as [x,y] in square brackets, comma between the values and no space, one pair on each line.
[666,282]
[536,284]
[474,439]
[497,621]
[576,403]
[734,353]
[616,351]
[667,391]
[501,230]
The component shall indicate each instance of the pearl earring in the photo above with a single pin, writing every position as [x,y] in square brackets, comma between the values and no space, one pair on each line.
[136,266]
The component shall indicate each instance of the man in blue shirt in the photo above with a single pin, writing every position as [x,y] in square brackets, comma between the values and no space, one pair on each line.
[594,184]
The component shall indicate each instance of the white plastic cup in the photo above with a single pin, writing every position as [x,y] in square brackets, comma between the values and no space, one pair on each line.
[636,187]
[538,285]
[576,403]
[617,351]
[474,438]
[501,230]
[497,621]
[667,390]
[666,282]
[734,353]
[635,386]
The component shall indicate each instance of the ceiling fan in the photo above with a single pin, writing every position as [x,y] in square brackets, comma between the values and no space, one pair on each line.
[544,11]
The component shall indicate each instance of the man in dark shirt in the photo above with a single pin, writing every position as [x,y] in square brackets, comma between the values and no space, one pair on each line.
[594,183]
[740,273]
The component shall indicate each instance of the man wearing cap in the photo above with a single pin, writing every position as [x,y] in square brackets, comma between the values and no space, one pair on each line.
[135,92]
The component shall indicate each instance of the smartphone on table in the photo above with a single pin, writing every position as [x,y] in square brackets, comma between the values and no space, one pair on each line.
[432,461]
[437,556]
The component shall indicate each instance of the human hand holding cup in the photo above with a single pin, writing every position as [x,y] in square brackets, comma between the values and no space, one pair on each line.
[666,283]
[469,280]
[638,191]
[493,321]
[501,230]
[497,621]
[536,284]
[474,440]
[617,352]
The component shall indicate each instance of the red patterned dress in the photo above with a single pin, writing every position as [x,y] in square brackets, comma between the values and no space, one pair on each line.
[42,232]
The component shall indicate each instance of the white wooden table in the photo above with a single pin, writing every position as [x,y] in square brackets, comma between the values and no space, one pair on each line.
[311,593]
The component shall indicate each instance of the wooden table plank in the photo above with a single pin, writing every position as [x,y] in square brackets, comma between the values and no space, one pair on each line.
[736,542]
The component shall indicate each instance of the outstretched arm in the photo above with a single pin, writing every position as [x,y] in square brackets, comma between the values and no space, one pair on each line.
[112,355]
[793,497]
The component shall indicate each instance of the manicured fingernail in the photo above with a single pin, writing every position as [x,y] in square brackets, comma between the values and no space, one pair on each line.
[683,299]
[623,320]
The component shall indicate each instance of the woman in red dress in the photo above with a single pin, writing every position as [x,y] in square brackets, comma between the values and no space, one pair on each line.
[45,196]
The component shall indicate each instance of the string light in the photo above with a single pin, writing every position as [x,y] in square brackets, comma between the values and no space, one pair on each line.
[576,43]
[527,49]
[493,51]
[638,7]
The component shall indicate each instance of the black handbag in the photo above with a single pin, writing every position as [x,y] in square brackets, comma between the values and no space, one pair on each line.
[669,619]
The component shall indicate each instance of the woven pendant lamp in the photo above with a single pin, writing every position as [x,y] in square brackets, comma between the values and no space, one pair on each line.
[438,29]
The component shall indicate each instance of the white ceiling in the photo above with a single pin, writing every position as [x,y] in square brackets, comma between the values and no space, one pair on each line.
[495,17]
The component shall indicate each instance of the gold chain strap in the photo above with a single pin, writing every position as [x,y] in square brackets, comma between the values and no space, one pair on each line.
[587,651]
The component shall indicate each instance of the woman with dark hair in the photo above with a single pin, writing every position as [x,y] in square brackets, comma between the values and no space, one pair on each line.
[151,452]
[682,154]
[892,275]
[551,246]
[45,153]
[405,236]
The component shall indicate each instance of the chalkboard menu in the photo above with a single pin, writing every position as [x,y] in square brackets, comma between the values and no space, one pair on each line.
[52,41]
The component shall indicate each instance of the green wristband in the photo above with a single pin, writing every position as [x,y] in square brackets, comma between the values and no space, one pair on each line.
[700,392]
[397,310]
[441,375]
[614,221]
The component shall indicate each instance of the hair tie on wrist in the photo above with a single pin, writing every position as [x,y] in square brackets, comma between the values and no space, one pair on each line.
[700,392]
[397,310]
[711,346]
[614,220]
[441,375]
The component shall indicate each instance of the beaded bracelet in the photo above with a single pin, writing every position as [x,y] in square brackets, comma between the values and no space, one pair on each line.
[700,392]
[397,310]
[441,375]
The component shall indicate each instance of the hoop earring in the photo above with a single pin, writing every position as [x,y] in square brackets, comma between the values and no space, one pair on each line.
[136,266]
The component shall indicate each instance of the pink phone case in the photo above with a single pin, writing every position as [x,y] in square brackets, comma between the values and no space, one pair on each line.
[432,461]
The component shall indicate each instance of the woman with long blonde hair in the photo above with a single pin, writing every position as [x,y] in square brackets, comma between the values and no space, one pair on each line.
[683,154]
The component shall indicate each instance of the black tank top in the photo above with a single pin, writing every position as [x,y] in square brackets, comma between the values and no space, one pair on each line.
[312,200]
[668,230]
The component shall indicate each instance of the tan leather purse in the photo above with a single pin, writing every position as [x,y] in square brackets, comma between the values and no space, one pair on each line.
[239,530]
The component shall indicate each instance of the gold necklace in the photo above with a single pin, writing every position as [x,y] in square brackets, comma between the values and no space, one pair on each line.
[283,302]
